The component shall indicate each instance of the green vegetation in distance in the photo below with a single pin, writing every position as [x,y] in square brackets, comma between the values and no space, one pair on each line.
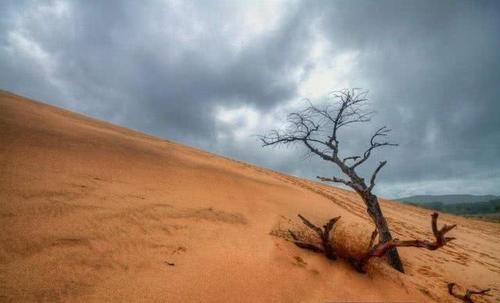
[489,210]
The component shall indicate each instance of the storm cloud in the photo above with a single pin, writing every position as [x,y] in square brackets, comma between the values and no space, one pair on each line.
[214,74]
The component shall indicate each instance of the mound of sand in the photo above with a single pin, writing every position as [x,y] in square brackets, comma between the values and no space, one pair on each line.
[92,212]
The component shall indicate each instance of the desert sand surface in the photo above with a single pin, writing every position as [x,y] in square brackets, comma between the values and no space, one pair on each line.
[92,212]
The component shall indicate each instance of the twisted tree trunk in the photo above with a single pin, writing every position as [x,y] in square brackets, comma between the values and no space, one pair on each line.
[372,207]
[375,212]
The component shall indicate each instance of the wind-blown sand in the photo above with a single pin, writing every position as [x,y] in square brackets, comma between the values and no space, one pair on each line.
[92,212]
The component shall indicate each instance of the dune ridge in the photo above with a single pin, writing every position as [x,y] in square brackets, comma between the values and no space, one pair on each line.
[93,212]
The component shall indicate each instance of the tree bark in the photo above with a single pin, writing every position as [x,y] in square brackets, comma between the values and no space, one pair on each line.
[375,212]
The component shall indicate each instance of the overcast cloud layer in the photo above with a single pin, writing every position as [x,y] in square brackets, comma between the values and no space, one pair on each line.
[214,74]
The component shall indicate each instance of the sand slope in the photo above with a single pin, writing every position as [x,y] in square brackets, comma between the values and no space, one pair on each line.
[92,212]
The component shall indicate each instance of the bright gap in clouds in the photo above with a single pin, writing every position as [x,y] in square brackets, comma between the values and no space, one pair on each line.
[314,84]
[327,68]
[254,19]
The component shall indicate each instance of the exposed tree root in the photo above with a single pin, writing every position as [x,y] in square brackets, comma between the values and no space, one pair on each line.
[380,249]
[377,250]
[323,234]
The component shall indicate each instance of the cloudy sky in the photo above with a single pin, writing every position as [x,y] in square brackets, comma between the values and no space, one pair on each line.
[213,74]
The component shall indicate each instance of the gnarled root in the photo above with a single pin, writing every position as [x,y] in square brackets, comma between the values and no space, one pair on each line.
[323,234]
[380,249]
[374,250]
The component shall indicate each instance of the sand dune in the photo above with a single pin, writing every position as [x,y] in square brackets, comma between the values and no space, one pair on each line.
[92,212]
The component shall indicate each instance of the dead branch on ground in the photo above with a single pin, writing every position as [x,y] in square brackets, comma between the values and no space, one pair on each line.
[323,234]
[467,297]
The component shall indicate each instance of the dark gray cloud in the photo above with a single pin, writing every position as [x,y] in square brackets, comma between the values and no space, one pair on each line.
[157,67]
[433,70]
[212,74]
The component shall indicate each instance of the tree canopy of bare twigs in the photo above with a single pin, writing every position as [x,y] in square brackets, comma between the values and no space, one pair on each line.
[319,128]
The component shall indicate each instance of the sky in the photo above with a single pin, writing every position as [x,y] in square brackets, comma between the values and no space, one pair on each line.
[216,74]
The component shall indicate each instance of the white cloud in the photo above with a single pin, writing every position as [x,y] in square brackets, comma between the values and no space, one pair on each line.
[22,44]
[238,123]
[253,19]
[329,71]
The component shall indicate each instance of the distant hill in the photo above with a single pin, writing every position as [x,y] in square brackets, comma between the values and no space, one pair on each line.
[466,205]
[448,199]
[470,208]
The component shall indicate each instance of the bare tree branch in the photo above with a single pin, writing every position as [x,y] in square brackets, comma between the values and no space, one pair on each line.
[374,175]
[317,151]
[303,244]
[336,180]
[311,226]
[467,297]
[323,234]
[354,158]
[381,132]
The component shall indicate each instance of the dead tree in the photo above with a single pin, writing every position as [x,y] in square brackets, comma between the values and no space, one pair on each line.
[467,297]
[317,128]
[377,250]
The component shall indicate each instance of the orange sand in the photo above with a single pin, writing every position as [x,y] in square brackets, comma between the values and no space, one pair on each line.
[92,212]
